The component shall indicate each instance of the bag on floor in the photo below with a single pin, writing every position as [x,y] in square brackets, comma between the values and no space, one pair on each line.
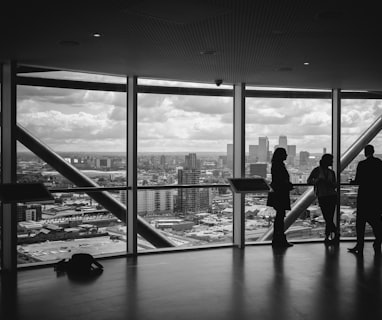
[79,263]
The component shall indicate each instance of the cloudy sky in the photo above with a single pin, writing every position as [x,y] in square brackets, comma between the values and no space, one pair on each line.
[81,120]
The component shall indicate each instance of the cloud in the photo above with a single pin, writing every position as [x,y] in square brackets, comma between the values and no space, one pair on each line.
[82,120]
[56,125]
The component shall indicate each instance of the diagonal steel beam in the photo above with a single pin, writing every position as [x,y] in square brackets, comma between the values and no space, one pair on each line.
[79,179]
[308,196]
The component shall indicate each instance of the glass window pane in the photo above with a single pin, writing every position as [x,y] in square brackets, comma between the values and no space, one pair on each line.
[71,138]
[186,140]
[72,223]
[208,219]
[87,129]
[302,127]
[357,116]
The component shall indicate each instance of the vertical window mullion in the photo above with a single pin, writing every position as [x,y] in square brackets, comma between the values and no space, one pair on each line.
[336,146]
[8,160]
[132,165]
[239,162]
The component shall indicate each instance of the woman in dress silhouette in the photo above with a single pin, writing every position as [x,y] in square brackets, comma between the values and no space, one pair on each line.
[279,198]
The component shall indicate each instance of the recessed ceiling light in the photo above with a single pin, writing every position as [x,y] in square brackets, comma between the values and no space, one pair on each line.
[96,35]
[306,63]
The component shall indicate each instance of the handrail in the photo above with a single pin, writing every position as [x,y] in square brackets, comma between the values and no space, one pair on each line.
[156,187]
[162,187]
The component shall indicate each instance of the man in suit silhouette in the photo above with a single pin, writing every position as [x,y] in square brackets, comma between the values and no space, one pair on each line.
[369,200]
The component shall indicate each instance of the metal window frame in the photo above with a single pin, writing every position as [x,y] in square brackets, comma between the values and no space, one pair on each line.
[239,92]
[8,165]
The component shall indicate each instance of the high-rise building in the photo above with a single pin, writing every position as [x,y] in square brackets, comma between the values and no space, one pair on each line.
[263,150]
[230,156]
[163,161]
[189,199]
[191,162]
[152,202]
[253,153]
[258,169]
[304,158]
[291,150]
[283,142]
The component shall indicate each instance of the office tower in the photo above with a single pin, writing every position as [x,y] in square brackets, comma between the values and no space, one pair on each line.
[304,158]
[205,199]
[324,151]
[163,161]
[189,199]
[263,150]
[253,153]
[283,142]
[230,156]
[291,150]
[155,202]
[191,162]
[258,169]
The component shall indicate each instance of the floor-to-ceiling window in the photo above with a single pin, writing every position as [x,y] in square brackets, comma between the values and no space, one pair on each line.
[185,136]
[361,112]
[71,133]
[300,122]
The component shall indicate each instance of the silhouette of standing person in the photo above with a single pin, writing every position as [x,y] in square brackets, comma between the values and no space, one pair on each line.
[279,198]
[324,180]
[369,202]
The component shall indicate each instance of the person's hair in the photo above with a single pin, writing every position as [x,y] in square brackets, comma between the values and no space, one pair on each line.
[326,160]
[369,150]
[278,155]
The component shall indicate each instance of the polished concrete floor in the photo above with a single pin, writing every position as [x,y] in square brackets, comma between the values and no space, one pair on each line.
[306,281]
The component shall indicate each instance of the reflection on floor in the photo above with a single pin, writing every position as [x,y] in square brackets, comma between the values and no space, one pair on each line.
[306,281]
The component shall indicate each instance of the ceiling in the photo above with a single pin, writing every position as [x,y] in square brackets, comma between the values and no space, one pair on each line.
[258,42]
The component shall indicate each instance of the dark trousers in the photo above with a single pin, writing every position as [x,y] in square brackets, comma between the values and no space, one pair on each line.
[374,221]
[328,207]
[278,227]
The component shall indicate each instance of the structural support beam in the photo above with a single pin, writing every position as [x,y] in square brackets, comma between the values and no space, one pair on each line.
[132,165]
[8,161]
[336,147]
[348,156]
[79,179]
[239,163]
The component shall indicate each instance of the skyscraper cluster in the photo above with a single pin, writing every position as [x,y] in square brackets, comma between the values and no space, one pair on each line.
[261,152]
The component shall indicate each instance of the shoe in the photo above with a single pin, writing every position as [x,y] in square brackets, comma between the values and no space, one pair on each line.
[288,244]
[355,250]
[284,244]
